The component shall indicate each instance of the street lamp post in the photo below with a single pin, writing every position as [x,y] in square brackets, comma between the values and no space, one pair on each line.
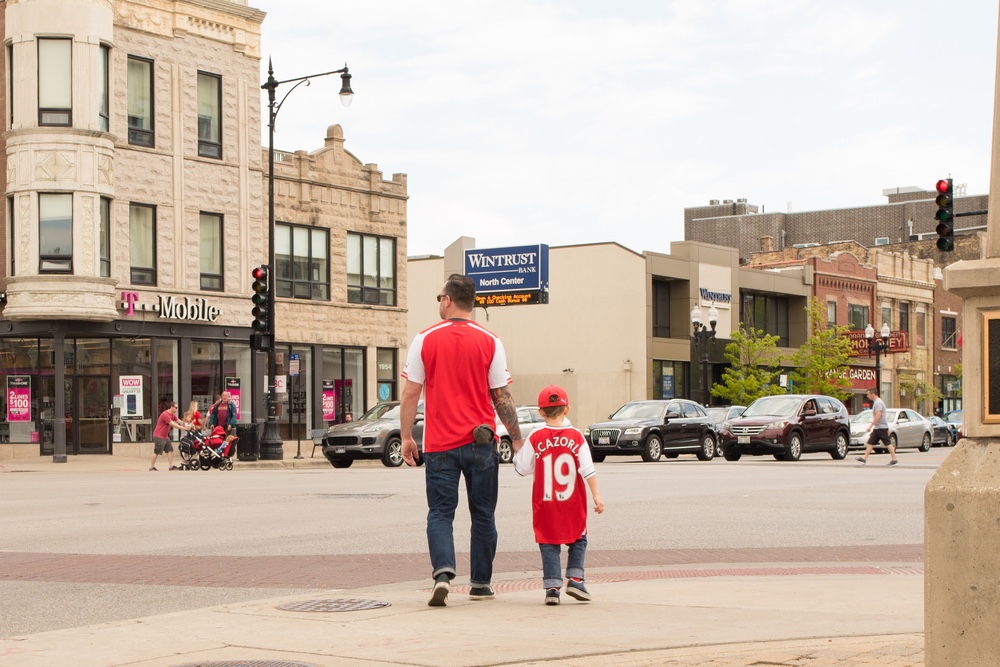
[703,335]
[877,346]
[270,442]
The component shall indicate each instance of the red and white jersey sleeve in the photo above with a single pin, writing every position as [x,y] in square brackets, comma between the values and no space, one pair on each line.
[559,458]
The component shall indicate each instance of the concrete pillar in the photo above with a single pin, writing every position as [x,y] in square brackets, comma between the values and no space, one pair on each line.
[962,500]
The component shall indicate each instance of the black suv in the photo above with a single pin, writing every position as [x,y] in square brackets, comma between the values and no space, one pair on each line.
[787,425]
[653,429]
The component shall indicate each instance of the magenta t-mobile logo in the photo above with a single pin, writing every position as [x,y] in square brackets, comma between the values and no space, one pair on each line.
[130,298]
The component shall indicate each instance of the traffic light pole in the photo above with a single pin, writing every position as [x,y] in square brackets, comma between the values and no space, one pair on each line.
[271,446]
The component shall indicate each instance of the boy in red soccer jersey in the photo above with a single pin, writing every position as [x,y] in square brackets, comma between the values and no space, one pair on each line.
[559,458]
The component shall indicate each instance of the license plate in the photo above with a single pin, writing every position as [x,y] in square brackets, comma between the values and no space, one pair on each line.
[743,439]
[604,441]
[338,450]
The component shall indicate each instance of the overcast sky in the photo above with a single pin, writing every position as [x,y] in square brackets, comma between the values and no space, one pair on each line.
[561,122]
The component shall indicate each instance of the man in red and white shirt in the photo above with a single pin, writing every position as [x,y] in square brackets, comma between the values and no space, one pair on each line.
[462,370]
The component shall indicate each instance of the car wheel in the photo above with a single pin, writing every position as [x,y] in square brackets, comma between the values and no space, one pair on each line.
[840,446]
[598,458]
[949,440]
[341,463]
[653,449]
[793,450]
[392,457]
[707,450]
[893,441]
[731,456]
[505,451]
[925,444]
[778,457]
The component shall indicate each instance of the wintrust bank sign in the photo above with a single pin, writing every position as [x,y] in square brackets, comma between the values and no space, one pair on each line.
[509,276]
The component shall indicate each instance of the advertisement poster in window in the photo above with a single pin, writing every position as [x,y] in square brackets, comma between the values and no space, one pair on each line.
[668,384]
[130,387]
[18,398]
[329,402]
[233,387]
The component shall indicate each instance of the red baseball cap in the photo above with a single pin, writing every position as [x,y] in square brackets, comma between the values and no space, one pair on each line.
[552,396]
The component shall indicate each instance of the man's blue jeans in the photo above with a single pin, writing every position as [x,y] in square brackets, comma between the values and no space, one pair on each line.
[479,465]
[552,567]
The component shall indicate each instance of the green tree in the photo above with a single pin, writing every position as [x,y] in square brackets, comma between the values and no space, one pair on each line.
[822,361]
[754,363]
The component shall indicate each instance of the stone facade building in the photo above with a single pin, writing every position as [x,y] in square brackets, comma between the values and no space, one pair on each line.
[135,183]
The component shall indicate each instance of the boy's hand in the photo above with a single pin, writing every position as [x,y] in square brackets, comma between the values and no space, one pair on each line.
[598,505]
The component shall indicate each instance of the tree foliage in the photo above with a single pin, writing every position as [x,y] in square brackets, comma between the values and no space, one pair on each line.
[754,365]
[822,361]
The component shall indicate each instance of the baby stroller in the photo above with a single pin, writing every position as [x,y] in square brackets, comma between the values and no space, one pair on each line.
[216,450]
[190,444]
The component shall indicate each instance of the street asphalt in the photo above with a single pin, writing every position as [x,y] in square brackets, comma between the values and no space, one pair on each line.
[818,607]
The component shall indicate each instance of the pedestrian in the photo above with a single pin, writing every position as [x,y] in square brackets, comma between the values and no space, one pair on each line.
[559,458]
[223,413]
[462,370]
[161,435]
[192,416]
[880,429]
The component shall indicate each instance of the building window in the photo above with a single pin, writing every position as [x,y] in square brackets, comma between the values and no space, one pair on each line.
[12,233]
[105,241]
[887,316]
[904,317]
[371,269]
[104,121]
[209,115]
[10,86]
[385,373]
[919,328]
[140,102]
[55,82]
[55,233]
[302,259]
[831,314]
[857,317]
[949,333]
[210,249]
[766,312]
[670,379]
[661,309]
[142,241]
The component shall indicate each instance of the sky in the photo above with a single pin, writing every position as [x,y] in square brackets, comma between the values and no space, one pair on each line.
[567,122]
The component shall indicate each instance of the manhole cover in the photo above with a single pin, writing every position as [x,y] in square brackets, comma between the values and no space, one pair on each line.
[338,604]
[247,663]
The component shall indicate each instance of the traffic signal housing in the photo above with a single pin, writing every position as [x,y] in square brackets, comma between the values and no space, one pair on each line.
[259,298]
[945,215]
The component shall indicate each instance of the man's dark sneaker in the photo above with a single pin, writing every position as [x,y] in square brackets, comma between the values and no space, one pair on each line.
[576,589]
[481,593]
[152,468]
[893,462]
[551,596]
[439,594]
[860,460]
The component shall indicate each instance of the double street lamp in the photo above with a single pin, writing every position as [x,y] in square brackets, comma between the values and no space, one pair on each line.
[877,346]
[703,335]
[270,442]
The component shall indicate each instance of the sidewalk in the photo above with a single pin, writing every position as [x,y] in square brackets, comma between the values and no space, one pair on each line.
[91,462]
[800,614]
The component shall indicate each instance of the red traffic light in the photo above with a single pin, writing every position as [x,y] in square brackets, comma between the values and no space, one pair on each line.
[259,273]
[943,185]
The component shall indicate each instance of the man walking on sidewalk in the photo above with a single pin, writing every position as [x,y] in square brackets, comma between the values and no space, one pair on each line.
[880,429]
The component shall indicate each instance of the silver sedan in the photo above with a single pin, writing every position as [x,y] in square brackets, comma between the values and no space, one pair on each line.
[907,428]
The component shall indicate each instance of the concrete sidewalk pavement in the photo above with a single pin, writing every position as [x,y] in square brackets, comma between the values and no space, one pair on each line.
[835,620]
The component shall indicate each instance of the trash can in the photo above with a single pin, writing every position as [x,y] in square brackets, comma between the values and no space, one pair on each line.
[248,447]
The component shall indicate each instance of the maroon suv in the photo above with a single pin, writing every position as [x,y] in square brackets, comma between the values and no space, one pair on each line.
[787,425]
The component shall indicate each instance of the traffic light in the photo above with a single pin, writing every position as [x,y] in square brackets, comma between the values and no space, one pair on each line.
[945,215]
[259,298]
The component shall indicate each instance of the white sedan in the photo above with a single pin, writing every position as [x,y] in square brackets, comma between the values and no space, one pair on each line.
[907,428]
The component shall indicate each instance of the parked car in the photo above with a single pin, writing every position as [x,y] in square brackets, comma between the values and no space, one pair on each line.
[653,429]
[942,434]
[906,429]
[721,413]
[954,419]
[786,426]
[375,435]
[505,449]
[529,420]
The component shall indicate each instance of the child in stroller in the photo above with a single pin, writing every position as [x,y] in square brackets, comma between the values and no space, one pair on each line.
[191,443]
[217,449]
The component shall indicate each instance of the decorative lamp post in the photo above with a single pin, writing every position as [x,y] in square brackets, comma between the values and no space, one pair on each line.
[878,347]
[270,442]
[703,335]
